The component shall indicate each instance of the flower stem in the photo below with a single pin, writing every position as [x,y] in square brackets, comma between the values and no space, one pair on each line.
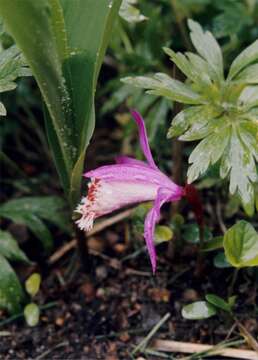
[83,250]
[233,281]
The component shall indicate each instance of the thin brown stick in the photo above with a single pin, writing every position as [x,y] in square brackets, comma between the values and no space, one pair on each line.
[191,348]
[97,228]
[248,337]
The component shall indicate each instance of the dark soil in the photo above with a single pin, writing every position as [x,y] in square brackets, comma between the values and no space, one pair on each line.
[104,315]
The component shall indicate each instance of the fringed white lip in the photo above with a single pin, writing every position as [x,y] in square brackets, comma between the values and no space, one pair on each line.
[107,196]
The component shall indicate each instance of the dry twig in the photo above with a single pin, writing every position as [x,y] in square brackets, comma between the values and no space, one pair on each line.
[97,228]
[191,348]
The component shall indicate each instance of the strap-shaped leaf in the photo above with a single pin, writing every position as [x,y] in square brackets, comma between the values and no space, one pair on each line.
[65,54]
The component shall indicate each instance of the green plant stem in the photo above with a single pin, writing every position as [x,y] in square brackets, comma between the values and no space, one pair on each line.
[125,39]
[83,250]
[233,280]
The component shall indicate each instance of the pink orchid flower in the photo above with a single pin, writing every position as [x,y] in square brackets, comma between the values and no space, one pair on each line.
[128,182]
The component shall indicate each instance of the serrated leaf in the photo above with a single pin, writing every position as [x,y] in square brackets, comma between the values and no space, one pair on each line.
[208,152]
[203,68]
[183,64]
[31,314]
[9,248]
[246,57]
[241,245]
[207,46]
[11,293]
[32,284]
[198,310]
[248,97]
[218,302]
[162,85]
[193,117]
[239,163]
[233,18]
[3,111]
[249,75]
[12,66]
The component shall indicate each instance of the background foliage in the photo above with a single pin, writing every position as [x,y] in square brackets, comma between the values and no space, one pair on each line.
[219,88]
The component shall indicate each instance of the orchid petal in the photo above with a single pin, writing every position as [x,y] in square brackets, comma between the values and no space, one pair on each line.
[153,216]
[133,173]
[128,160]
[143,138]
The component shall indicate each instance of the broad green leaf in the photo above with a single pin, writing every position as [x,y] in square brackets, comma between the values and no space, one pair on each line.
[163,234]
[130,13]
[162,85]
[11,293]
[207,46]
[36,226]
[30,211]
[220,261]
[50,208]
[247,56]
[9,248]
[198,310]
[241,245]
[32,284]
[31,314]
[213,244]
[191,233]
[218,302]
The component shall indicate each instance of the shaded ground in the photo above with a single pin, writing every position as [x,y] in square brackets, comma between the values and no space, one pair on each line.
[105,315]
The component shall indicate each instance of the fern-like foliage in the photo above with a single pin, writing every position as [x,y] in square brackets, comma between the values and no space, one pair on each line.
[12,66]
[222,111]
